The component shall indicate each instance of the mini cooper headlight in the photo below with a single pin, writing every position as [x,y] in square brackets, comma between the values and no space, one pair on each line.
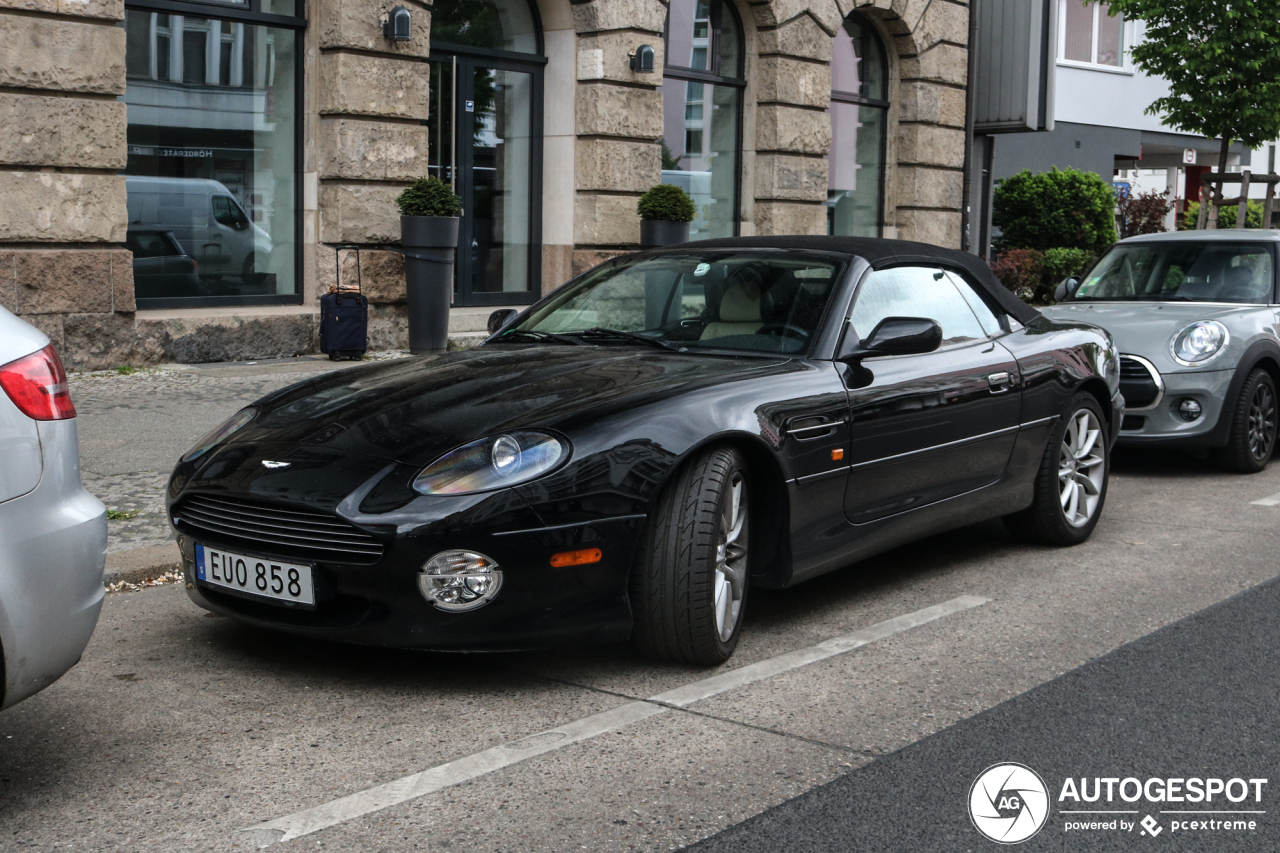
[493,463]
[236,422]
[459,580]
[1199,342]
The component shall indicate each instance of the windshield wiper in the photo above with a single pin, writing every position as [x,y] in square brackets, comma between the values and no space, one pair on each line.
[601,333]
[540,337]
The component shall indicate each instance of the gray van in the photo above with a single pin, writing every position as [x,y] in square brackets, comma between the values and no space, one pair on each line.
[206,219]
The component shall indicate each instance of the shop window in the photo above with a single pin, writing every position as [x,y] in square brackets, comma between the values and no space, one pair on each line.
[702,111]
[859,113]
[212,170]
[1090,34]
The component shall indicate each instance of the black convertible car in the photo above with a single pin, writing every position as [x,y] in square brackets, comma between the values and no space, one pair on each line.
[636,453]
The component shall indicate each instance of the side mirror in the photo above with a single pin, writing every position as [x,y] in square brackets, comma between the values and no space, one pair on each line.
[895,336]
[1065,288]
[500,318]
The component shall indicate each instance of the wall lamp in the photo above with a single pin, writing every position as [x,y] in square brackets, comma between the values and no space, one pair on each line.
[396,27]
[642,59]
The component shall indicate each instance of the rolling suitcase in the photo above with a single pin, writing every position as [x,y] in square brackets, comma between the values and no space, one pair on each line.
[344,319]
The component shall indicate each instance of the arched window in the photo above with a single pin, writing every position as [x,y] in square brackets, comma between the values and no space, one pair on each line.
[490,24]
[702,111]
[859,111]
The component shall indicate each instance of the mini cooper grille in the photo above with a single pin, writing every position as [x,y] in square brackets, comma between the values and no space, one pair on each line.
[274,529]
[1139,384]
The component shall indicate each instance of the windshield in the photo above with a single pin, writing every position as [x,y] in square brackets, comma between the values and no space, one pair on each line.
[748,301]
[1191,272]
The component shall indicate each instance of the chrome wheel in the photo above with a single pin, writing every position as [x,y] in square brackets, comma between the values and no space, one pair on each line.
[1081,468]
[731,559]
[1262,422]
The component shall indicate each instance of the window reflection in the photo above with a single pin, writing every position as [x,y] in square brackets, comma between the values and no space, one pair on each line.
[701,117]
[855,173]
[211,156]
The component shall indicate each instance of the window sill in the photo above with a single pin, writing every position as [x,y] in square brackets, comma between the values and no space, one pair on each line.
[1090,66]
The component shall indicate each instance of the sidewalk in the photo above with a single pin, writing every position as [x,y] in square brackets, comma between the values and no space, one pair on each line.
[133,427]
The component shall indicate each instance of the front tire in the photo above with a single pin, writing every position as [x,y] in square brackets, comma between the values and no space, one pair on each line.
[1071,485]
[689,586]
[1253,426]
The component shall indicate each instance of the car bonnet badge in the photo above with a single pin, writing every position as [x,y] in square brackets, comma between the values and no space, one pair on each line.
[267,463]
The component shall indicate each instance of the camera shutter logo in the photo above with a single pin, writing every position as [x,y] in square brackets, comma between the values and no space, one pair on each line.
[1008,803]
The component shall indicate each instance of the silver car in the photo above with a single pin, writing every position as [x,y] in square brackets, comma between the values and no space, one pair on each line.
[1195,316]
[53,534]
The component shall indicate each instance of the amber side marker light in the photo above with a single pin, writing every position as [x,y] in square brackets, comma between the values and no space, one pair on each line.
[576,558]
[837,455]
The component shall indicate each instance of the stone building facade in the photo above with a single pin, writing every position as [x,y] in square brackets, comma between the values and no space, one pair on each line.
[72,89]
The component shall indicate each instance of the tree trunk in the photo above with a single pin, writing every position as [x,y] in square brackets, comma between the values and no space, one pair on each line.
[1217,191]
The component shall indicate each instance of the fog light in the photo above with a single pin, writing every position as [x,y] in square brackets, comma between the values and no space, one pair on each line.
[459,580]
[1189,410]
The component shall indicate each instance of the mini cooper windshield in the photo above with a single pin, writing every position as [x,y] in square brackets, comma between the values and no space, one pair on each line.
[749,301]
[1182,272]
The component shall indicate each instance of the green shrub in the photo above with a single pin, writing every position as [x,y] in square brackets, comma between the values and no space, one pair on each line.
[429,197]
[668,203]
[1226,216]
[1059,208]
[1064,263]
[1022,272]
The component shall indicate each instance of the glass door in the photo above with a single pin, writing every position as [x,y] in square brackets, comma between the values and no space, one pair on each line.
[485,130]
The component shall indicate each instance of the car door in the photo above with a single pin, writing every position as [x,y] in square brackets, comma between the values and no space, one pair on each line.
[928,427]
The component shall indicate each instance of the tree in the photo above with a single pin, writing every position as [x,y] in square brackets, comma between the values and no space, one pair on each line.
[1221,59]
[1061,208]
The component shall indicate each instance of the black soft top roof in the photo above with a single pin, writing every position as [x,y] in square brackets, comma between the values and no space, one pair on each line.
[882,254]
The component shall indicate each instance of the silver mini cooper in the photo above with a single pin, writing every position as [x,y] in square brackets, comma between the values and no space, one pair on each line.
[1195,316]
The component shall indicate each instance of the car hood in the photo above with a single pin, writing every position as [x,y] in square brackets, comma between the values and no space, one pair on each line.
[1145,328]
[412,410]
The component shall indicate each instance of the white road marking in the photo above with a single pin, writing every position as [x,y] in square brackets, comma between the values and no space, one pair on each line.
[416,785]
[1273,500]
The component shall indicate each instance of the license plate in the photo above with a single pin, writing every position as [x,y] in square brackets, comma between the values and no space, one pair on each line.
[255,575]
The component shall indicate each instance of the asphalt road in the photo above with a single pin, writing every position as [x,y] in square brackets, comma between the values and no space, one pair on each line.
[183,731]
[1196,699]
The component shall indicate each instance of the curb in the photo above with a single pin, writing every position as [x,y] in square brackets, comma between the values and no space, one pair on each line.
[142,564]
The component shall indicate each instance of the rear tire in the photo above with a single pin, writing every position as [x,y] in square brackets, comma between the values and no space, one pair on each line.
[1071,485]
[689,585]
[1253,426]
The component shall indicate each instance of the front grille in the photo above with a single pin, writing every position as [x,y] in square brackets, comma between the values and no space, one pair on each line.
[282,531]
[1139,383]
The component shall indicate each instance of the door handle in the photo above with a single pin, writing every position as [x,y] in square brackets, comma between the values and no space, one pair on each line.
[999,382]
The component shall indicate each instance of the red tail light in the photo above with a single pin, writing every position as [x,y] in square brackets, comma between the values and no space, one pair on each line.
[37,385]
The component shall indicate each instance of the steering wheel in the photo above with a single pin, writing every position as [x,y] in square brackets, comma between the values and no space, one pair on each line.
[783,329]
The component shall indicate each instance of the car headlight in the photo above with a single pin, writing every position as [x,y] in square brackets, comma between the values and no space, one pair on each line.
[493,463]
[237,421]
[1199,342]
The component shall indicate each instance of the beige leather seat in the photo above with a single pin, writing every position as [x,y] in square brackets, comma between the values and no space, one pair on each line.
[739,313]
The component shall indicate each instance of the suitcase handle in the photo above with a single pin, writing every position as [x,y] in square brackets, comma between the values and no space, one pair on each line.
[337,254]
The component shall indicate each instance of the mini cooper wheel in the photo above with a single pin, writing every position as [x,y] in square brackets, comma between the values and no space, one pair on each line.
[1071,485]
[1253,426]
[689,586]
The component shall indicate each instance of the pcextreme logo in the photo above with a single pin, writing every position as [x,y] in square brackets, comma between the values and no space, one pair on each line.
[1008,803]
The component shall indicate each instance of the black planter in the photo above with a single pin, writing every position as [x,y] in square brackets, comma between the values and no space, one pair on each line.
[660,232]
[429,278]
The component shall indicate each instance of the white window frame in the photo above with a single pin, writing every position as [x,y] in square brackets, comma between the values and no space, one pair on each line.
[1128,31]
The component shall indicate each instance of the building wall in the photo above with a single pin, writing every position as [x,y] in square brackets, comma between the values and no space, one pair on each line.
[63,144]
